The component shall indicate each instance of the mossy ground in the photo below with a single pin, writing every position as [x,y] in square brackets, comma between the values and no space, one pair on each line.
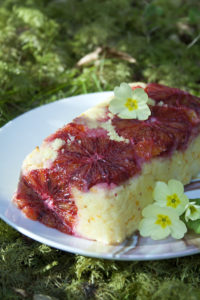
[41,42]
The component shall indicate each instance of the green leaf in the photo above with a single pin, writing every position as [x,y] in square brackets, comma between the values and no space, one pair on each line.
[194,225]
[196,200]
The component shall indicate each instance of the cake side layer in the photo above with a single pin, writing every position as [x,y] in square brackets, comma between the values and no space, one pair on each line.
[109,215]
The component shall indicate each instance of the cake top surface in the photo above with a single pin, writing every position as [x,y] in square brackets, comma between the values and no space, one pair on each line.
[99,147]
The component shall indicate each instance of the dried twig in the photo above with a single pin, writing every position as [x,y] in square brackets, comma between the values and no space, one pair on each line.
[107,52]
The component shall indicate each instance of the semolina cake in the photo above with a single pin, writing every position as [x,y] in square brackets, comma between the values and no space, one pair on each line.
[93,177]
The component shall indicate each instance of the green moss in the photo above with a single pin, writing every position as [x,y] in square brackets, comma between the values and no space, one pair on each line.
[41,43]
[38,269]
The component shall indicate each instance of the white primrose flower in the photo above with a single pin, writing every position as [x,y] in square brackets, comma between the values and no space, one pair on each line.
[130,104]
[192,211]
[171,195]
[160,222]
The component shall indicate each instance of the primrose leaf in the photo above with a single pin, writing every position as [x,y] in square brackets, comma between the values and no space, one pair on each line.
[194,225]
[196,200]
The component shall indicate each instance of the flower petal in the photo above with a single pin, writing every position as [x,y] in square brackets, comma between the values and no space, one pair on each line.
[140,95]
[116,105]
[192,212]
[150,211]
[184,199]
[187,214]
[175,187]
[182,206]
[142,105]
[151,102]
[147,226]
[143,114]
[160,193]
[179,209]
[195,216]
[124,91]
[126,114]
[178,229]
[160,233]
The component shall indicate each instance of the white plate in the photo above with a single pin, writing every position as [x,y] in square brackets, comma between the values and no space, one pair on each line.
[21,136]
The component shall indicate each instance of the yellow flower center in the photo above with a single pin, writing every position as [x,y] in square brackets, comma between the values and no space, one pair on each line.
[173,201]
[131,104]
[163,221]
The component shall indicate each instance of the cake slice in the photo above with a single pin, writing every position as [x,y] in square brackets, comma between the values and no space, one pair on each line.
[93,177]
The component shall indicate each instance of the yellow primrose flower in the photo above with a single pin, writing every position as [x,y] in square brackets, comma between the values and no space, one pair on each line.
[171,195]
[130,104]
[160,222]
[192,211]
